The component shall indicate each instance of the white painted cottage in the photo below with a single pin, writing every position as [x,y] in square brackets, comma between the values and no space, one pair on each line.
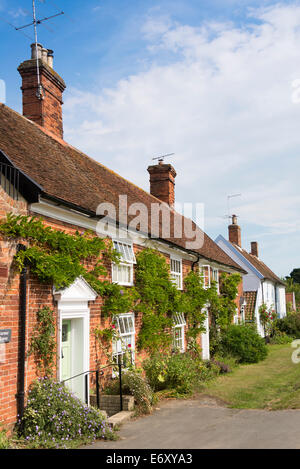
[260,284]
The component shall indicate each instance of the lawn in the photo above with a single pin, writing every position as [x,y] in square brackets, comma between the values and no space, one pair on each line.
[271,384]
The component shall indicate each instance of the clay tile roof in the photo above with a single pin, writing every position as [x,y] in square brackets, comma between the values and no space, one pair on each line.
[250,297]
[68,175]
[261,266]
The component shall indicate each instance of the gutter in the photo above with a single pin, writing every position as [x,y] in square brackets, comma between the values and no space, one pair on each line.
[20,396]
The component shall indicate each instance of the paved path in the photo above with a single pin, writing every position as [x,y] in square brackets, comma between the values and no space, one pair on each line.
[204,424]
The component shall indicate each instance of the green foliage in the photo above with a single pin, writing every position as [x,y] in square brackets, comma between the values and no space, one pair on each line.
[54,256]
[135,385]
[243,343]
[54,418]
[222,308]
[155,368]
[267,316]
[43,342]
[4,440]
[280,338]
[290,325]
[295,275]
[158,300]
[58,258]
[179,371]
[194,299]
[292,286]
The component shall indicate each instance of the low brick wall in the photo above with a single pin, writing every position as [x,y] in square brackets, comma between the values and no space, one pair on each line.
[111,403]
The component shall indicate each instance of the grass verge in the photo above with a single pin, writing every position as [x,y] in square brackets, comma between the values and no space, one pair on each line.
[271,384]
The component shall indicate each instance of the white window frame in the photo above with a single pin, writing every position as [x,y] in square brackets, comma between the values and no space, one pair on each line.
[202,275]
[127,260]
[179,331]
[215,277]
[176,274]
[127,336]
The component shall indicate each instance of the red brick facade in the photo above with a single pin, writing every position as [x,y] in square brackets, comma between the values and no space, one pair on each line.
[40,295]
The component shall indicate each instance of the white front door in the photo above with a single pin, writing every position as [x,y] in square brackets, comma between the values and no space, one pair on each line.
[74,313]
[72,356]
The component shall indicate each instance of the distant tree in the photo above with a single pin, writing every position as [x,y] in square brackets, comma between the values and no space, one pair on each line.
[295,275]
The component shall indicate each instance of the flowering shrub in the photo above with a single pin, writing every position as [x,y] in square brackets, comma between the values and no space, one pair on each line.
[267,316]
[55,418]
[178,371]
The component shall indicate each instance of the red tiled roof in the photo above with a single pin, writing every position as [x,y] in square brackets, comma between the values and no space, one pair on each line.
[67,174]
[260,266]
[250,297]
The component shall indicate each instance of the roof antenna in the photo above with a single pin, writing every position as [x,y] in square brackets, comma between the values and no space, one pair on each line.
[162,157]
[35,23]
[229,216]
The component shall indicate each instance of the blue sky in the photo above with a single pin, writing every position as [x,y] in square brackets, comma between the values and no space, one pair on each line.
[214,81]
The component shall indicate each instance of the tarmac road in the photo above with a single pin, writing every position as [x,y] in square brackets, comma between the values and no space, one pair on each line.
[206,424]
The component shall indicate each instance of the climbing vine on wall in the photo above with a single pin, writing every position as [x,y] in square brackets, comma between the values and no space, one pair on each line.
[43,343]
[58,258]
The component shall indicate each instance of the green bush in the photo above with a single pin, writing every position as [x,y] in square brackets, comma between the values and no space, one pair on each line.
[54,417]
[290,325]
[244,343]
[179,371]
[135,385]
[155,368]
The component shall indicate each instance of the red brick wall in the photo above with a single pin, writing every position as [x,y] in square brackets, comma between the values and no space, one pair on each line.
[40,295]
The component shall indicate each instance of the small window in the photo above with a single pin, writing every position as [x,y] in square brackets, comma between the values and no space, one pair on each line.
[122,273]
[176,272]
[179,324]
[215,277]
[126,251]
[123,347]
[205,275]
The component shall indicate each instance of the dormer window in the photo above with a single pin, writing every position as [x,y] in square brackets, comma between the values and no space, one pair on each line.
[176,272]
[122,273]
[205,275]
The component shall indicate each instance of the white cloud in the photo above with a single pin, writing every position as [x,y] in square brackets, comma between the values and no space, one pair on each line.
[223,100]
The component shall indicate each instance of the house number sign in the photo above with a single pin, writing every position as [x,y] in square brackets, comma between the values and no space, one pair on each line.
[5,336]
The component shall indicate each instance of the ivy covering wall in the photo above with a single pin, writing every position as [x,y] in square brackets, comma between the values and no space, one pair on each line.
[58,258]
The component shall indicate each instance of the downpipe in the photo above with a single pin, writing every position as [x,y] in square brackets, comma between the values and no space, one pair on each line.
[22,341]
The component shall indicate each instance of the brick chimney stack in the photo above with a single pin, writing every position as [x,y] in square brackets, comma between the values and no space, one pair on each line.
[46,109]
[235,232]
[162,182]
[254,248]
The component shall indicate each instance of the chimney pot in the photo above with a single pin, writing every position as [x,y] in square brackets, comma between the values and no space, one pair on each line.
[36,49]
[50,58]
[45,55]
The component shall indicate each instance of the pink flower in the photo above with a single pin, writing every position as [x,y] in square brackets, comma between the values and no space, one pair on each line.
[129,345]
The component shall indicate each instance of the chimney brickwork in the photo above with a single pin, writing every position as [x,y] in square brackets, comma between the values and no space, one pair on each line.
[254,248]
[45,110]
[234,232]
[162,182]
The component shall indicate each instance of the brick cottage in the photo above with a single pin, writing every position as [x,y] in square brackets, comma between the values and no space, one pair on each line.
[44,176]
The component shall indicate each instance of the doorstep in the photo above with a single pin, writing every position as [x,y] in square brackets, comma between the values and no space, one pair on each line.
[120,418]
